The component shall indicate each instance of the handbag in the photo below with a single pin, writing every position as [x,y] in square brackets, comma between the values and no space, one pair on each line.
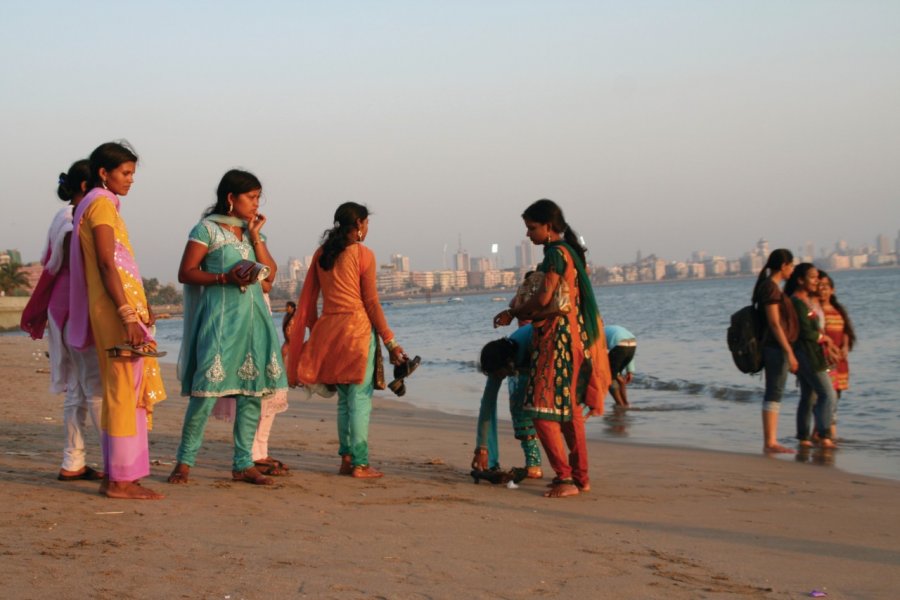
[559,303]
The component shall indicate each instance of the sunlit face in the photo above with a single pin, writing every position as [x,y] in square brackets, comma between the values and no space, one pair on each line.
[825,289]
[811,281]
[245,206]
[539,233]
[119,180]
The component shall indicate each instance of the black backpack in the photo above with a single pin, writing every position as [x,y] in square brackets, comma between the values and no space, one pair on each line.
[745,339]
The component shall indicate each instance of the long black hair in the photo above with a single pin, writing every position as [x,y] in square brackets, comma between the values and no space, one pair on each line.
[497,355]
[777,259]
[848,326]
[547,212]
[234,182]
[336,239]
[109,156]
[799,273]
[70,183]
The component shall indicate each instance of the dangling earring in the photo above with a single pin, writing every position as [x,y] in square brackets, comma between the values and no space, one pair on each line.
[230,207]
[359,235]
[103,183]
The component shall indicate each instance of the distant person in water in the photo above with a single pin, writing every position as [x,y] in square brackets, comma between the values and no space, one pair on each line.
[286,322]
[779,333]
[622,345]
[506,357]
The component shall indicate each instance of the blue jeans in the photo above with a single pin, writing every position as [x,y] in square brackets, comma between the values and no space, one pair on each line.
[775,364]
[817,399]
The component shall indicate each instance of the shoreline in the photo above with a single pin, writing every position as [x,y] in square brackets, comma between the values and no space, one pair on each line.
[658,523]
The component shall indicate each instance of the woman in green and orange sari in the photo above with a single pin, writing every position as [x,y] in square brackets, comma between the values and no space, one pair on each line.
[569,366]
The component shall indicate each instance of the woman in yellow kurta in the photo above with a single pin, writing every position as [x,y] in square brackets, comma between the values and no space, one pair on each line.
[342,346]
[108,293]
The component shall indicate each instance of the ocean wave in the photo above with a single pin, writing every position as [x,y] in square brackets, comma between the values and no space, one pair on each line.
[694,388]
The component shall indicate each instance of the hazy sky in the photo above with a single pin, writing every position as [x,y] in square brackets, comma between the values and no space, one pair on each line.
[661,126]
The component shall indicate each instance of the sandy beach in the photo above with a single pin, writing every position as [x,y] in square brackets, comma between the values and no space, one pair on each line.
[658,523]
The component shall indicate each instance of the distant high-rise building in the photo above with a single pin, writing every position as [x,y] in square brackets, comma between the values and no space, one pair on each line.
[883,244]
[762,246]
[525,255]
[809,250]
[400,262]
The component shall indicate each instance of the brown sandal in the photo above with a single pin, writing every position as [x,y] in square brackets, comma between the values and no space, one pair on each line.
[251,475]
[272,466]
[366,472]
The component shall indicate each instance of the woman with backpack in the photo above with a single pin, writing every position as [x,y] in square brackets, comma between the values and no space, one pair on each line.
[779,333]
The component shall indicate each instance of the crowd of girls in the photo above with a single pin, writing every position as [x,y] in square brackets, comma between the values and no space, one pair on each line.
[232,364]
[806,332]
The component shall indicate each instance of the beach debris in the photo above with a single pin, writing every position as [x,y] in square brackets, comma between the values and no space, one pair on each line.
[110,512]
[48,418]
[435,461]
[511,485]
[158,462]
[817,594]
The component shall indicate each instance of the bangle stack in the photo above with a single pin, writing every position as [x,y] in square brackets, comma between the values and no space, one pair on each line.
[127,314]
[220,278]
[391,344]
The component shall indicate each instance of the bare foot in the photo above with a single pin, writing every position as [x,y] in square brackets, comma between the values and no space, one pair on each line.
[805,444]
[584,487]
[346,465]
[562,490]
[179,473]
[127,490]
[777,449]
[826,443]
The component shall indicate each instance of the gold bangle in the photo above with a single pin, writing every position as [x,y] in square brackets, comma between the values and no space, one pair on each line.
[391,344]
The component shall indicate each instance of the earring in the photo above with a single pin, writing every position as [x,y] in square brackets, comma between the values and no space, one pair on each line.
[230,207]
[359,235]
[103,183]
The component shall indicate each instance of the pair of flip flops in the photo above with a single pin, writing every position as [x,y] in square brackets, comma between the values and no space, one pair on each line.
[401,372]
[128,351]
[88,474]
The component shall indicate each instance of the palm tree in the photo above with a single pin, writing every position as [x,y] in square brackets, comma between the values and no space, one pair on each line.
[12,277]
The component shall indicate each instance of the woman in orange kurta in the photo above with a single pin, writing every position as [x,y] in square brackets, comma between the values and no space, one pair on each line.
[116,307]
[342,346]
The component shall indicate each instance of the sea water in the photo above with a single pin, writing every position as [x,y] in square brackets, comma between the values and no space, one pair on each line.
[686,391]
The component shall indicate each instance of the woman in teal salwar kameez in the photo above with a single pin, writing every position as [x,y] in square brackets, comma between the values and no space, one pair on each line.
[230,346]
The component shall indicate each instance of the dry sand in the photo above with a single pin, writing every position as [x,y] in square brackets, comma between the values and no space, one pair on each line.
[659,522]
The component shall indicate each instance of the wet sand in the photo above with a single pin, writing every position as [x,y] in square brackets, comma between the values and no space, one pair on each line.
[658,523]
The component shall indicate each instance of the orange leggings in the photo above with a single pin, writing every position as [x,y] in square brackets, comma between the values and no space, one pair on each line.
[551,433]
